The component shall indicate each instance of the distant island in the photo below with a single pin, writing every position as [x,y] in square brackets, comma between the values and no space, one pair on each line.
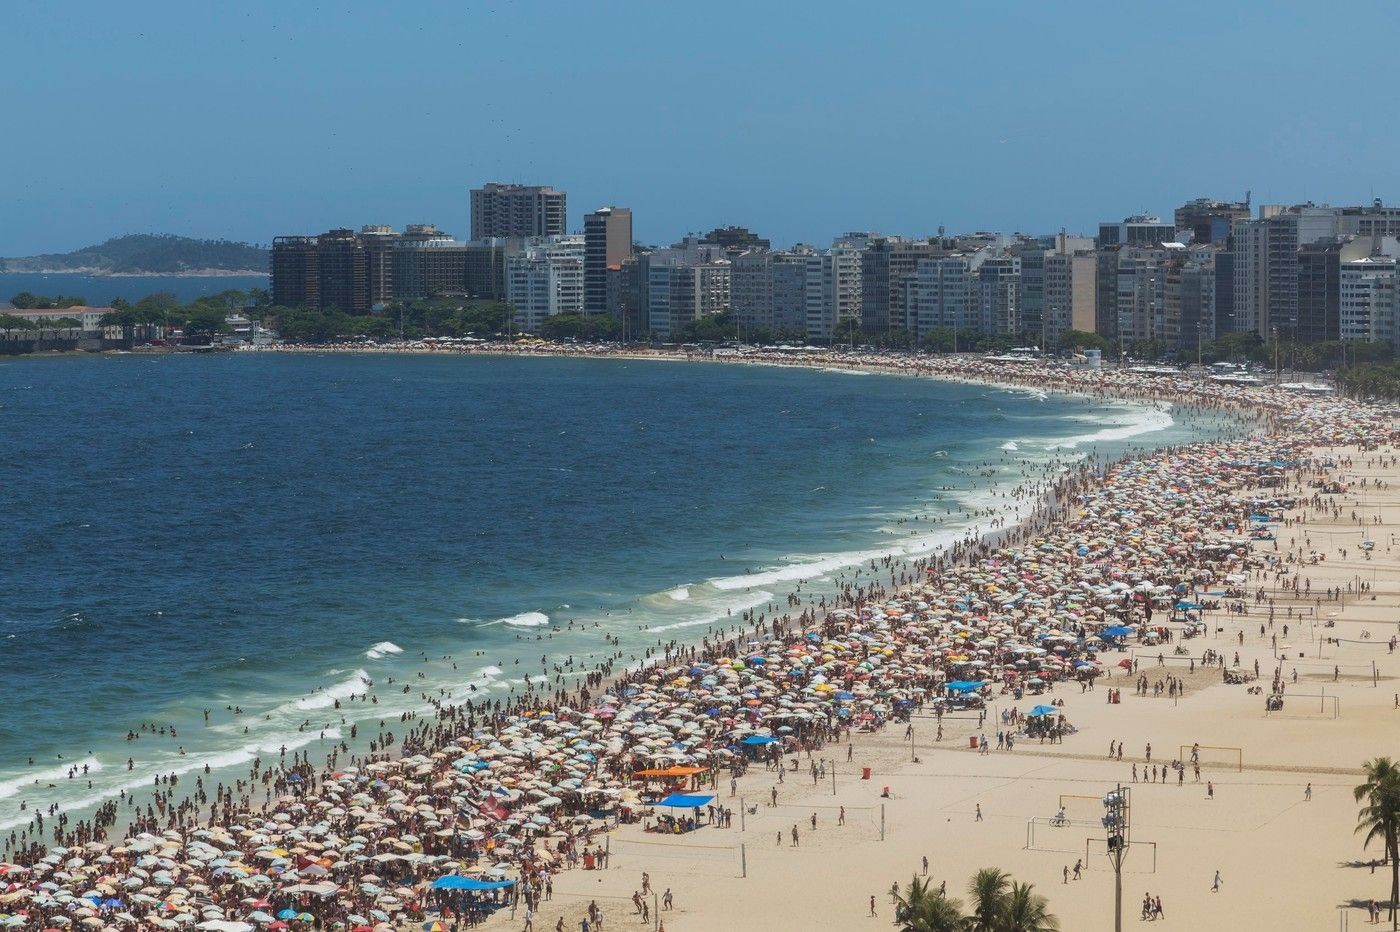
[149,254]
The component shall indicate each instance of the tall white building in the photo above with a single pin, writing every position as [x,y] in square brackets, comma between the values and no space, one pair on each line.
[545,279]
[833,287]
[946,294]
[684,283]
[1368,301]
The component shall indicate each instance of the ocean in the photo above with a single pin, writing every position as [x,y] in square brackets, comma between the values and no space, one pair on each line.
[274,533]
[99,290]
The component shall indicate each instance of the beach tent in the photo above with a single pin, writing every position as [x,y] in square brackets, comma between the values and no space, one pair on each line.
[684,801]
[759,739]
[965,686]
[455,882]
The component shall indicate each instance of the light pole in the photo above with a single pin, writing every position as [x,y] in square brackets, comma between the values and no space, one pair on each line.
[1116,822]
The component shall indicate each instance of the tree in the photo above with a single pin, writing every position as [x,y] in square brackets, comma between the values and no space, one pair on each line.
[1026,911]
[988,889]
[920,909]
[1379,818]
[11,322]
[1082,340]
[204,322]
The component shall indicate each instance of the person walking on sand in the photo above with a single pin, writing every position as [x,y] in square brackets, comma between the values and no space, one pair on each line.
[1078,867]
[794,836]
[925,865]
[872,905]
[1210,790]
[1215,887]
[979,813]
[1066,874]
[1307,793]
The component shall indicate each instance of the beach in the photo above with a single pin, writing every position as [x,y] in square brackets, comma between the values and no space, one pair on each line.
[513,791]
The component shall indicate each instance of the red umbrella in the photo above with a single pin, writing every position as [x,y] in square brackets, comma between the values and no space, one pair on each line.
[1125,664]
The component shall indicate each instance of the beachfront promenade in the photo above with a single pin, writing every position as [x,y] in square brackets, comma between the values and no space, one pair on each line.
[515,790]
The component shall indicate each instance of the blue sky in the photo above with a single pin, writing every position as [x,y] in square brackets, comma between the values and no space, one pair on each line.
[800,120]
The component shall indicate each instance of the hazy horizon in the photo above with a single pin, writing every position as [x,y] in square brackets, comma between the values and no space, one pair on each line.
[799,121]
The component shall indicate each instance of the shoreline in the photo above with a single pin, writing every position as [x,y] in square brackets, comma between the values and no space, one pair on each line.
[1076,483]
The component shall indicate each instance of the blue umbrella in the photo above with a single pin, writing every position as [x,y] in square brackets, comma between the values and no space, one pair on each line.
[287,914]
[1043,710]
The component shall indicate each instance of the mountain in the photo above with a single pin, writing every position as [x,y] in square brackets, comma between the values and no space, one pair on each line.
[148,254]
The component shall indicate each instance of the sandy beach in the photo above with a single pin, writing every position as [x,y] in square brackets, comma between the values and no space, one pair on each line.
[517,789]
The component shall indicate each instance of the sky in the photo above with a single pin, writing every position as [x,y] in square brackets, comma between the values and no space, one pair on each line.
[800,120]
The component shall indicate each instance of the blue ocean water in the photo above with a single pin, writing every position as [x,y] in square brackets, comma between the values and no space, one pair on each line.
[275,532]
[99,290]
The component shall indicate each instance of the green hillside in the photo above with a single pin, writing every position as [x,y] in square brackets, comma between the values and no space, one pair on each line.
[138,253]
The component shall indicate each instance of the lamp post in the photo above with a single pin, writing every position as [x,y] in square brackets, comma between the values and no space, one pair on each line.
[1117,820]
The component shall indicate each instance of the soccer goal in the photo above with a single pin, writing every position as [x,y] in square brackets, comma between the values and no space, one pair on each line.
[1214,754]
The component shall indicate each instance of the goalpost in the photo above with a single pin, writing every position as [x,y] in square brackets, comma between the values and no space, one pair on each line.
[1215,754]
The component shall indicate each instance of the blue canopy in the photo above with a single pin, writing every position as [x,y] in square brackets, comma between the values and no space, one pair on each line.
[682,801]
[1117,631]
[1188,606]
[1260,518]
[1043,710]
[965,686]
[455,882]
[759,739]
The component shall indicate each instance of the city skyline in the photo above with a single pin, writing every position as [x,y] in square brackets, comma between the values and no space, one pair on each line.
[789,125]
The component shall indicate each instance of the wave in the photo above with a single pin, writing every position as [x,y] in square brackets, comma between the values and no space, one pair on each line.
[1009,445]
[16,785]
[527,620]
[720,613]
[1141,421]
[165,766]
[358,682]
[680,594]
[382,648]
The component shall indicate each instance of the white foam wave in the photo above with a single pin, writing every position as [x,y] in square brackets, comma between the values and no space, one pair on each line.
[1129,424]
[679,595]
[1010,445]
[382,648]
[16,785]
[142,779]
[527,620]
[719,613]
[358,682]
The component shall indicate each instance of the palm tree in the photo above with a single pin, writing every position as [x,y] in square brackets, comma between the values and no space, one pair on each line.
[1026,911]
[988,890]
[920,909]
[1379,818]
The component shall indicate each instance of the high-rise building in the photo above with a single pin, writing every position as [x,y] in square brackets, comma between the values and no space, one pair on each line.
[1320,288]
[1071,289]
[998,291]
[1138,230]
[607,236]
[833,286]
[1375,220]
[545,279]
[947,293]
[295,269]
[1266,263]
[1367,299]
[769,289]
[337,270]
[428,262]
[486,267]
[734,240]
[517,211]
[1209,221]
[888,267]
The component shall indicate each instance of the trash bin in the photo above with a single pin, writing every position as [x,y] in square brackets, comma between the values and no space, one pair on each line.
[865,773]
[972,742]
